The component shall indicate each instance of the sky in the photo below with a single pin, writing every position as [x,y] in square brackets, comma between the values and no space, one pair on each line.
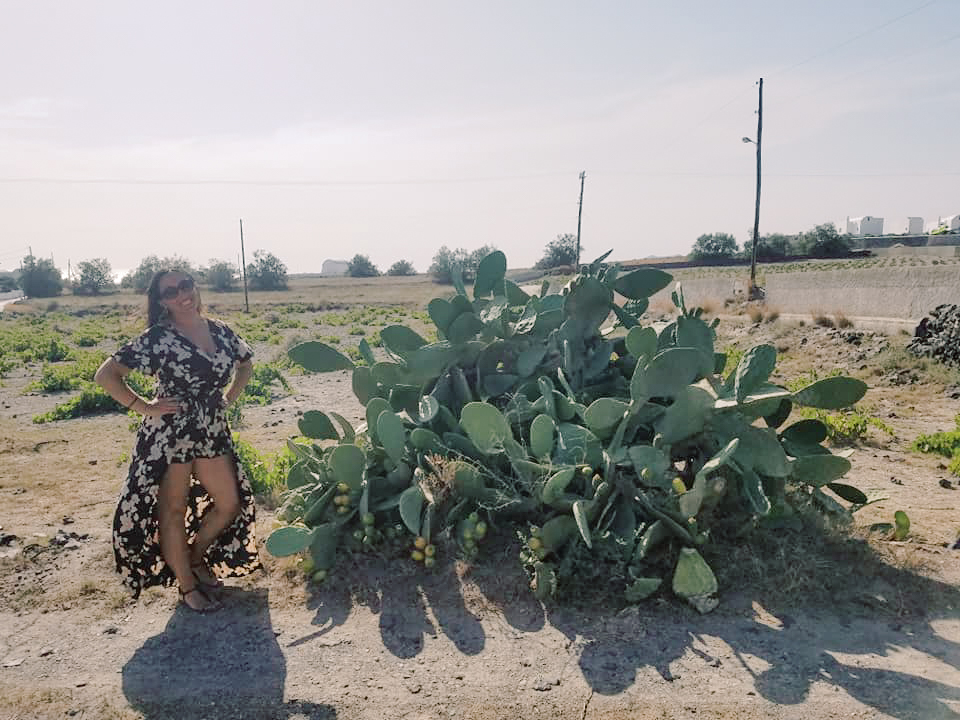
[390,129]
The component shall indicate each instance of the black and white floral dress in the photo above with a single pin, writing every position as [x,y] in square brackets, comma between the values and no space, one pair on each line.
[199,430]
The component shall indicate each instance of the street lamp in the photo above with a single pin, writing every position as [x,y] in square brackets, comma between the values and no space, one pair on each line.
[753,291]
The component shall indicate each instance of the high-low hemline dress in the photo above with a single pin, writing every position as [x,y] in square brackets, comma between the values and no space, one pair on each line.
[199,430]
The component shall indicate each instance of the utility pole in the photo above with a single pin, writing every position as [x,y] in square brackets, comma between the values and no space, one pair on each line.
[243,270]
[756,215]
[583,175]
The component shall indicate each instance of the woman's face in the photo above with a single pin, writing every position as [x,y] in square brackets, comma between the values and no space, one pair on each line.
[177,293]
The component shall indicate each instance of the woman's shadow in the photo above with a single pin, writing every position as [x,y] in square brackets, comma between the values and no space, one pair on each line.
[227,664]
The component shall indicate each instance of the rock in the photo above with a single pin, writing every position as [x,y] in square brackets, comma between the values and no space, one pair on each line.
[938,335]
[544,685]
[944,483]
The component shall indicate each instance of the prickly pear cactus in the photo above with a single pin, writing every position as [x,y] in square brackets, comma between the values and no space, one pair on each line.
[559,412]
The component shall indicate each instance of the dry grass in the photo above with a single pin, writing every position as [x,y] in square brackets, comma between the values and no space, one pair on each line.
[708,306]
[828,564]
[661,307]
[760,312]
[821,319]
[840,320]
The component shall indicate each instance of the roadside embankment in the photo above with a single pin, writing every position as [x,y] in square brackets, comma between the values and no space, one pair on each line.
[908,293]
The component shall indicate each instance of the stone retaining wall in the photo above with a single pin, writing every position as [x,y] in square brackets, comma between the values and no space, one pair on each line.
[909,293]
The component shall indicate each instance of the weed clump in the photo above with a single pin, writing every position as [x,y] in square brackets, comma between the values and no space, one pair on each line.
[946,444]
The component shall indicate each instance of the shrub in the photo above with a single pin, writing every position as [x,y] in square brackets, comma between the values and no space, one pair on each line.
[139,279]
[401,268]
[946,444]
[221,275]
[361,266]
[259,390]
[266,272]
[446,261]
[93,400]
[40,278]
[94,276]
[562,251]
[715,246]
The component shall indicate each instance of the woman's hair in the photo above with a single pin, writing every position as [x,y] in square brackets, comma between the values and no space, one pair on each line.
[156,311]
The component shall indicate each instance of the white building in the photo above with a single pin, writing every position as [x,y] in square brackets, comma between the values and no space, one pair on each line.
[334,268]
[914,226]
[866,225]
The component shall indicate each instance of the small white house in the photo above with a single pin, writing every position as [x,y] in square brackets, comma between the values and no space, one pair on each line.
[334,268]
[914,226]
[866,225]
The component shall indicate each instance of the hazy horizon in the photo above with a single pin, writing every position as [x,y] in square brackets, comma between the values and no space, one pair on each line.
[390,131]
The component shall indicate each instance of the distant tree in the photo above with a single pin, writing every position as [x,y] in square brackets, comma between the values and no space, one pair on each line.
[824,241]
[93,277]
[8,283]
[139,279]
[475,257]
[40,278]
[562,251]
[772,247]
[402,267]
[715,246]
[446,260]
[266,272]
[221,275]
[361,266]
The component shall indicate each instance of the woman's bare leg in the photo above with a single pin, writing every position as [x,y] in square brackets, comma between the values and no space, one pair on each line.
[218,478]
[171,513]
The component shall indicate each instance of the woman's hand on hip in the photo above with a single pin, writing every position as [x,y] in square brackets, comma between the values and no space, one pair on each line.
[162,406]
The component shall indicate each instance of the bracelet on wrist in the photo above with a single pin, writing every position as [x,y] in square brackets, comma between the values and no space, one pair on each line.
[133,402]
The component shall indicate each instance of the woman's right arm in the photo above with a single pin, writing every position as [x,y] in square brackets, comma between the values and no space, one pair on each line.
[110,376]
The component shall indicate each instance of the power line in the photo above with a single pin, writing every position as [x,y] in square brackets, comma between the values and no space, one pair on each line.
[846,42]
[862,71]
[272,183]
[712,114]
[347,183]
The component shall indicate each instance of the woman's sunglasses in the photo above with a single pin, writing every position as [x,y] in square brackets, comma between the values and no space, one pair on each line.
[171,291]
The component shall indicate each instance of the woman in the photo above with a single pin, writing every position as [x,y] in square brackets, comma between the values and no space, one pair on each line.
[186,512]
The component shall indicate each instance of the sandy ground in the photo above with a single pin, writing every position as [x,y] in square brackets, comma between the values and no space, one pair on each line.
[380,640]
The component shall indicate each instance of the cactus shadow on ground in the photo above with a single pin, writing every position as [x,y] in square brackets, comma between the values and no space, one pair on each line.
[787,648]
[410,606]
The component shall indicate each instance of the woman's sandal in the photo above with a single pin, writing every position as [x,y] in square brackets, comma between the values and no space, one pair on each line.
[212,607]
[205,578]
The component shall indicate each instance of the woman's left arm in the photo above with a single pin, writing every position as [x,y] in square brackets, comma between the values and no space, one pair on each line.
[240,378]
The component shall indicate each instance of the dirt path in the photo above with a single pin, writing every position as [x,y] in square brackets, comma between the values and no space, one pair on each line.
[381,641]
